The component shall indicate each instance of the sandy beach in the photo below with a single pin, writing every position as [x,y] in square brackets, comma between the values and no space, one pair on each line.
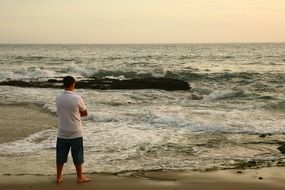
[268,178]
[23,115]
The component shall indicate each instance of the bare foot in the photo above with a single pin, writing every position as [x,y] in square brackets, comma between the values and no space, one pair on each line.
[59,180]
[83,179]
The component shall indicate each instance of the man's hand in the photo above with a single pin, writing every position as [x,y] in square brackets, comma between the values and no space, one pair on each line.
[83,113]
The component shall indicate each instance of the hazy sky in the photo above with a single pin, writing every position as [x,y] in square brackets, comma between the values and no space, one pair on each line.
[141,21]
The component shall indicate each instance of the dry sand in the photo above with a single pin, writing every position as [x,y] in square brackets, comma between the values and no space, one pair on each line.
[16,115]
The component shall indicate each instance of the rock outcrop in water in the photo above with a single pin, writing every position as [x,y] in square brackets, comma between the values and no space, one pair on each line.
[282,148]
[168,84]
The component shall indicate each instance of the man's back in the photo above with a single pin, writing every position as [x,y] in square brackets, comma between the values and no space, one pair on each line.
[69,105]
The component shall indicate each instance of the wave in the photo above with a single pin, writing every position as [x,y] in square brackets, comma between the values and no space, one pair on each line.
[238,77]
[44,59]
[79,71]
[276,106]
[82,71]
[26,73]
[264,80]
[227,94]
[4,75]
[267,98]
[30,58]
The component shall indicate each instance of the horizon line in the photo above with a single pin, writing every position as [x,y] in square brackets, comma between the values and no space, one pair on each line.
[137,43]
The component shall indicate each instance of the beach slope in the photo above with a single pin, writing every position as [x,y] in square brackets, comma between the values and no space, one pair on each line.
[262,179]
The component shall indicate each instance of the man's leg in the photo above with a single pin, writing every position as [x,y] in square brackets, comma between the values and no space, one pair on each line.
[62,149]
[59,177]
[80,177]
[78,159]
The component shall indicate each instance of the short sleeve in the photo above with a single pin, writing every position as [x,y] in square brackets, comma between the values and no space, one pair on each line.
[81,104]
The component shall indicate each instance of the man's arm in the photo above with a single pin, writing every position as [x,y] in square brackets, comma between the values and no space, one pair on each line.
[82,108]
[84,113]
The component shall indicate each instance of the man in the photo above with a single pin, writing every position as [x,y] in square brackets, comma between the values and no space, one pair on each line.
[70,109]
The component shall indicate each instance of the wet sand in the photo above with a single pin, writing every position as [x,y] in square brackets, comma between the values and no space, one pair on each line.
[20,121]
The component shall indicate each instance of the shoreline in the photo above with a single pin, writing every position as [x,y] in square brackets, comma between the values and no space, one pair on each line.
[265,178]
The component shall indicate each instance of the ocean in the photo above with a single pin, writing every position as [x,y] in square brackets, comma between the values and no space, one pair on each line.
[237,121]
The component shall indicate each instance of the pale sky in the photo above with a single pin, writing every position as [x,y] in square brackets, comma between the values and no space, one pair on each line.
[141,21]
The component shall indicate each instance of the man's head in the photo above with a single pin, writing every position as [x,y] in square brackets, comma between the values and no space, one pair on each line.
[69,83]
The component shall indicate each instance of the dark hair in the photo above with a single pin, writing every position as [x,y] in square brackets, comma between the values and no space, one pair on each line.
[68,81]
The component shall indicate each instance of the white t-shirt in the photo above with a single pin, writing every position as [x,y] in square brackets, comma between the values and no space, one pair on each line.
[69,105]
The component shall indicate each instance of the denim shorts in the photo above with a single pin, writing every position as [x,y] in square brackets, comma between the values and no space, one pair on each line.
[62,149]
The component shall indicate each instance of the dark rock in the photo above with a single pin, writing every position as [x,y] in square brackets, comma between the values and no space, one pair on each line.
[54,81]
[262,135]
[265,135]
[196,97]
[106,84]
[280,164]
[244,165]
[239,172]
[252,163]
[282,148]
[260,178]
